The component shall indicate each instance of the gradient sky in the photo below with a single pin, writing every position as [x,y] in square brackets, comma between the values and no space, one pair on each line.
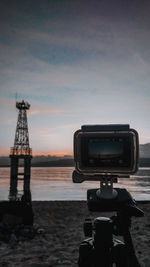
[75,62]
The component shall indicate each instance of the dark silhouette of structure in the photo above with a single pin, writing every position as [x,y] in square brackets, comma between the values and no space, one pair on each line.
[21,151]
[18,210]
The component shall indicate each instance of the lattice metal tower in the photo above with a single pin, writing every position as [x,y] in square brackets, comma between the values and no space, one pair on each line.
[21,151]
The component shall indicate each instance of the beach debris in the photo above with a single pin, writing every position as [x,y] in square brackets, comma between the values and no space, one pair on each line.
[13,240]
[12,234]
[16,212]
[40,231]
[12,230]
[12,219]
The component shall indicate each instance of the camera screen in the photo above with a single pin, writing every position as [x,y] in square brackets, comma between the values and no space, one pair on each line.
[105,148]
[106,152]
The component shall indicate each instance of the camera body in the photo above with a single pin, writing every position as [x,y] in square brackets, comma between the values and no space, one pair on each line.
[105,150]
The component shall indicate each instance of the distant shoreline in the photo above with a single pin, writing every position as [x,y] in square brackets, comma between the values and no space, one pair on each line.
[143,162]
[60,162]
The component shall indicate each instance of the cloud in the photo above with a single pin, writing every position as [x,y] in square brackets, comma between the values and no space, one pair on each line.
[10,121]
[4,102]
[4,151]
[44,131]
[41,111]
[144,139]
[56,130]
[68,40]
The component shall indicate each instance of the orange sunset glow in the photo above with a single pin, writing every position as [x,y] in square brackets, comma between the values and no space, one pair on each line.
[54,153]
[6,151]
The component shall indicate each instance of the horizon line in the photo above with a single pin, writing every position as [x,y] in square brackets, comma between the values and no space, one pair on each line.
[5,152]
[52,154]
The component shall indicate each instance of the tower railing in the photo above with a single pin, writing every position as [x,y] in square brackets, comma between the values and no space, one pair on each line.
[19,152]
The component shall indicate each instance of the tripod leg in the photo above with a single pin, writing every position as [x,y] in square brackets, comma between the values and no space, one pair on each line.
[90,257]
[119,254]
[124,223]
[133,261]
[86,253]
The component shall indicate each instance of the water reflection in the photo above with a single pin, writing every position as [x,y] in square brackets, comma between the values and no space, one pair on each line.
[51,183]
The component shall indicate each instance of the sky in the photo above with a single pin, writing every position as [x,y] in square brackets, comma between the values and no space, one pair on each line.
[75,62]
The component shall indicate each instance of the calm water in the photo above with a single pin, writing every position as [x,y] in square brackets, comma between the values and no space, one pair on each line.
[55,183]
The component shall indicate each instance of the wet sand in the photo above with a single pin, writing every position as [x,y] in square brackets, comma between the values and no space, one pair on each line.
[60,226]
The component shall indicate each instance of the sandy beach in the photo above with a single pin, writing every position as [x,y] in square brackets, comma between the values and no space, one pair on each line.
[60,225]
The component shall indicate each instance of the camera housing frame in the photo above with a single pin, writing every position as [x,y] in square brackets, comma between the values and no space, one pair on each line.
[120,135]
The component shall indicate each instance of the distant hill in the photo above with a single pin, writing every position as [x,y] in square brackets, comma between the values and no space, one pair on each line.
[55,163]
[67,161]
[4,161]
[145,150]
[144,162]
[43,161]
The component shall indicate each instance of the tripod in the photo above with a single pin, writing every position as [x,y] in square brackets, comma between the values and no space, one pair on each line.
[100,248]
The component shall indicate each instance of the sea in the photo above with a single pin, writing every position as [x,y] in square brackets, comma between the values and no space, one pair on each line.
[55,183]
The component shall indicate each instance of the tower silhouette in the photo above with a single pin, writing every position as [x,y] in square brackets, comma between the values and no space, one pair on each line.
[21,151]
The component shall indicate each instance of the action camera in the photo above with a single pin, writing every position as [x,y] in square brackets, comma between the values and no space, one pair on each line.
[106,150]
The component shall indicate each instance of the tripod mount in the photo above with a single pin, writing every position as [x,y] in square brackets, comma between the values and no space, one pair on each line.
[100,248]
